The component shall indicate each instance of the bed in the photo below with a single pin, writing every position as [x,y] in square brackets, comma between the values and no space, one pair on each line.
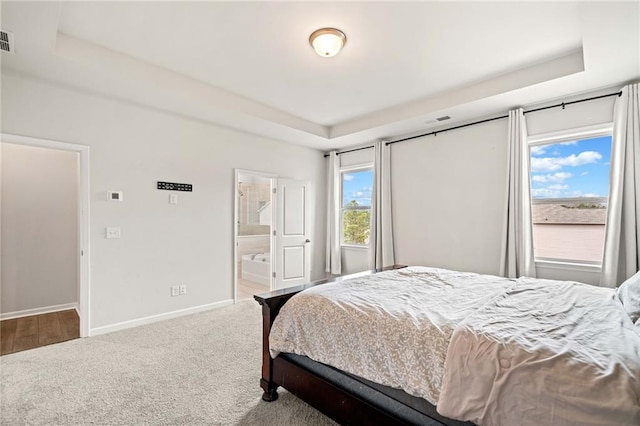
[417,345]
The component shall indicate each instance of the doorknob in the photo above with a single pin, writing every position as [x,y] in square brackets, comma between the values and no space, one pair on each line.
[307,240]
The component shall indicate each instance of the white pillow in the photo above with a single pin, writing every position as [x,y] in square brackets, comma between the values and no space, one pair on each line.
[629,295]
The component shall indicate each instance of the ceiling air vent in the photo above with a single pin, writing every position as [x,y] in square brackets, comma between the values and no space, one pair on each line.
[6,41]
[443,118]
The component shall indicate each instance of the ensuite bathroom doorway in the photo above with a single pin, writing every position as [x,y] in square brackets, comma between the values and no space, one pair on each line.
[253,233]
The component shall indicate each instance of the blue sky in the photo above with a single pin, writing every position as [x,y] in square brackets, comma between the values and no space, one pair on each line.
[571,169]
[357,186]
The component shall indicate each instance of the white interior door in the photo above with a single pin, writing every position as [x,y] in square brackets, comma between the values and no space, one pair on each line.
[292,233]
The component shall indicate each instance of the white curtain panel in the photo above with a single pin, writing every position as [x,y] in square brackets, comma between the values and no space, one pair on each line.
[333,260]
[622,236]
[381,233]
[516,257]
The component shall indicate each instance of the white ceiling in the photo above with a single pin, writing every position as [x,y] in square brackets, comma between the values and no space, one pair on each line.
[248,65]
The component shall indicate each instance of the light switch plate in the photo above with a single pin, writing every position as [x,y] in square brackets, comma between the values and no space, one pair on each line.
[112,232]
[173,198]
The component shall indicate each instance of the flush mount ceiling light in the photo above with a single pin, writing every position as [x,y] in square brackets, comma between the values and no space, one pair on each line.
[327,42]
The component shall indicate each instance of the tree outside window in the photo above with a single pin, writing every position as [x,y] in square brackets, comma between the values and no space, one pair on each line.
[356,206]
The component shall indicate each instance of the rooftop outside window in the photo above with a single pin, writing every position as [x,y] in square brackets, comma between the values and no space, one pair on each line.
[569,195]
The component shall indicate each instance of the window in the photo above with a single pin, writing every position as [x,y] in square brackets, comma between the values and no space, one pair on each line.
[569,195]
[356,206]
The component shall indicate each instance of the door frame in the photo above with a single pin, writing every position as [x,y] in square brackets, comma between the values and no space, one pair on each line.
[84,278]
[273,178]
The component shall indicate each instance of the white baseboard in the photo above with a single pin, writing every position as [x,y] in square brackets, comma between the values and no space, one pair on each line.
[39,311]
[155,318]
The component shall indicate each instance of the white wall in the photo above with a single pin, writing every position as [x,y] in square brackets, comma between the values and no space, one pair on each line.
[573,116]
[357,158]
[354,259]
[39,228]
[162,244]
[449,191]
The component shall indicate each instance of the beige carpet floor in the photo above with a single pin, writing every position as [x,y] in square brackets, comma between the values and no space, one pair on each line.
[202,369]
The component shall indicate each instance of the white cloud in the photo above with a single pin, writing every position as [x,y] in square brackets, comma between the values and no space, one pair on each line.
[541,149]
[584,173]
[556,177]
[550,164]
[578,193]
[558,187]
[348,177]
[559,191]
[555,191]
[363,196]
[537,150]
[544,193]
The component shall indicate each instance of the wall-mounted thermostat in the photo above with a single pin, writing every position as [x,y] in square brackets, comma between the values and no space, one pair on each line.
[114,195]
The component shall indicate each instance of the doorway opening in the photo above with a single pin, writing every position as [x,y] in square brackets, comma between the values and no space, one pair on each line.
[253,234]
[45,277]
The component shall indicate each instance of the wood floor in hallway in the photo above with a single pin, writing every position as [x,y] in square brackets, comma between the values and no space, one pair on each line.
[34,331]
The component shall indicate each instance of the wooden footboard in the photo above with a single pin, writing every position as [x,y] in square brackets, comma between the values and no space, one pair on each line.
[271,303]
[341,400]
[337,403]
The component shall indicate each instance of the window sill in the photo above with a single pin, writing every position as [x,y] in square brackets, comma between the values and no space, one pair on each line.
[354,247]
[568,265]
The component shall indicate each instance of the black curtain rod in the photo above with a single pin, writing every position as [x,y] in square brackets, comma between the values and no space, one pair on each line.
[562,104]
[351,150]
[450,128]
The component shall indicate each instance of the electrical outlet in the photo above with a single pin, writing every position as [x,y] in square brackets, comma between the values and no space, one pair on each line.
[175,290]
[183,289]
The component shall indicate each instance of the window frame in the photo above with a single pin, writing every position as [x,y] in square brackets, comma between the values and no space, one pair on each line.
[541,139]
[350,169]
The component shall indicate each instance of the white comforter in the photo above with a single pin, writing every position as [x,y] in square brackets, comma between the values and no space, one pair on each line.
[545,353]
[487,349]
[391,328]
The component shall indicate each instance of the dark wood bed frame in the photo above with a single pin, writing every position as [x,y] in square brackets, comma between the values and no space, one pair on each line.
[335,401]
